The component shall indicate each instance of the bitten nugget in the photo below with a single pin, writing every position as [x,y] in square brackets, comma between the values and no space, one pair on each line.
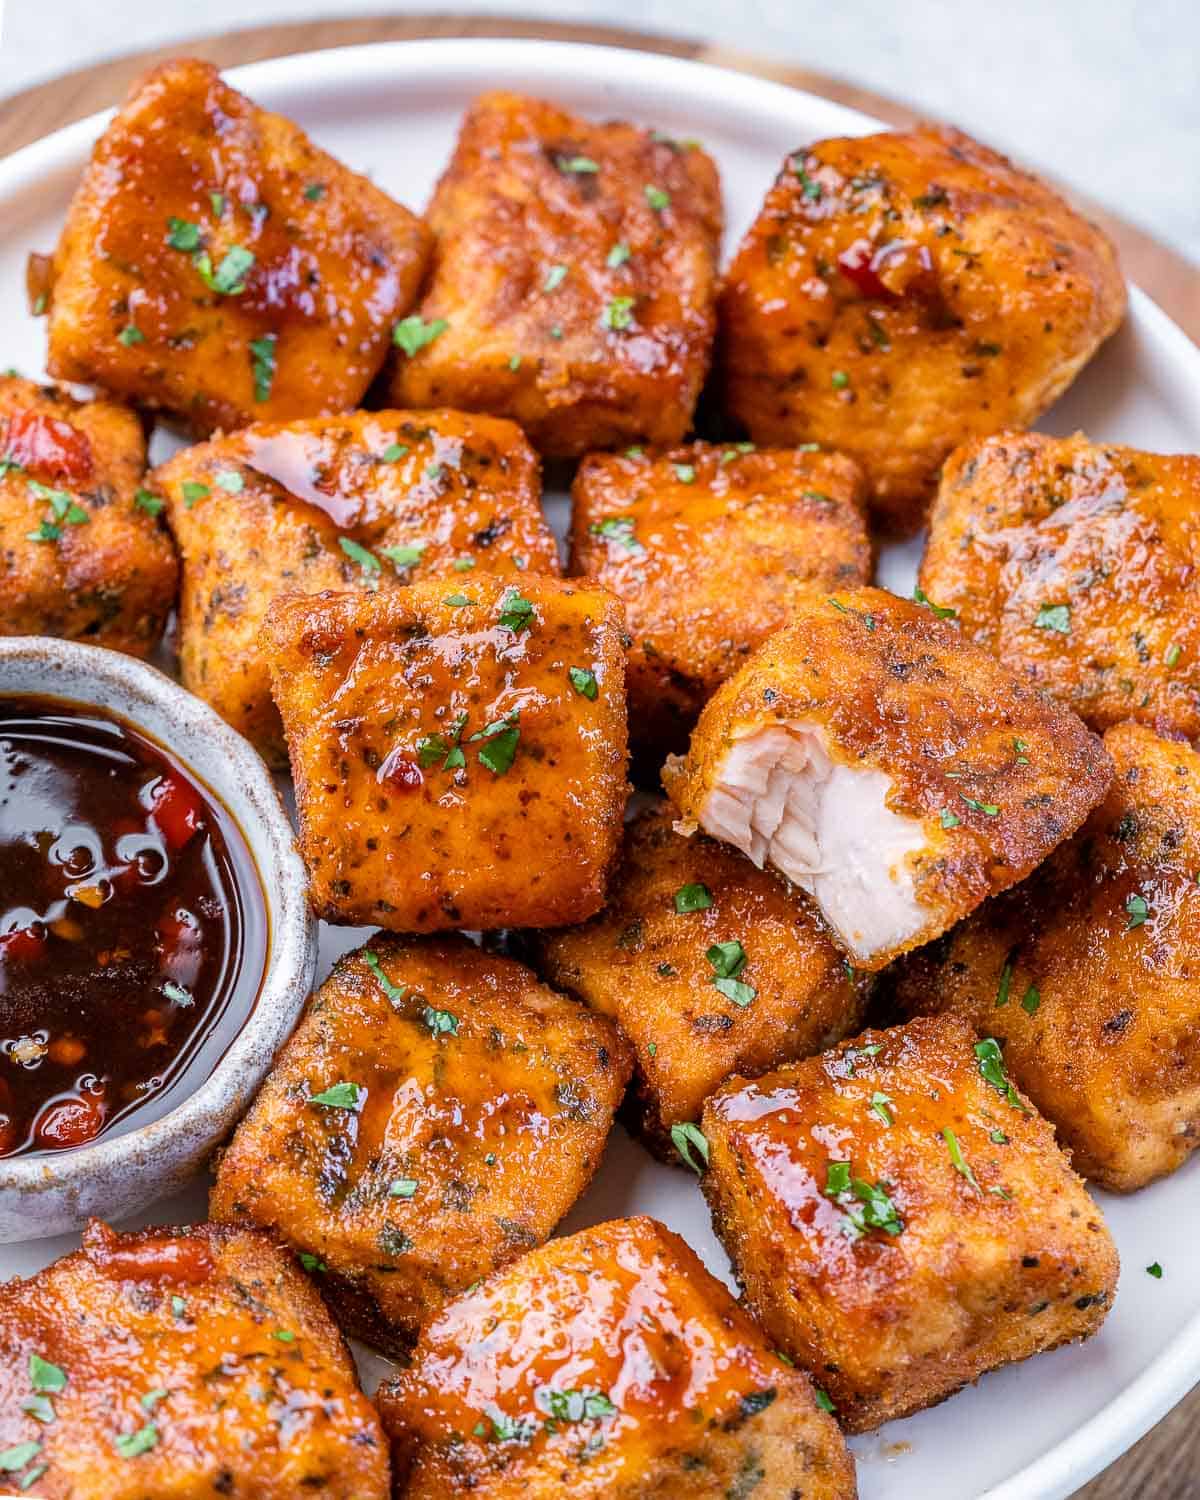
[710,967]
[710,548]
[1078,564]
[1088,973]
[458,750]
[215,265]
[180,1362]
[81,554]
[892,770]
[609,1364]
[900,293]
[574,279]
[367,501]
[901,1220]
[436,1113]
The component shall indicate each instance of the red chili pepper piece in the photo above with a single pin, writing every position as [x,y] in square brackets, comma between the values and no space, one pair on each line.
[70,1122]
[857,265]
[47,448]
[22,945]
[401,773]
[176,808]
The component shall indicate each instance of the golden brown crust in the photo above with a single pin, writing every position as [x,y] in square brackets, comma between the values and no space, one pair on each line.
[575,271]
[643,961]
[984,1262]
[450,769]
[711,547]
[103,569]
[899,293]
[897,690]
[335,262]
[425,493]
[202,1351]
[1076,564]
[496,1404]
[483,1102]
[1088,973]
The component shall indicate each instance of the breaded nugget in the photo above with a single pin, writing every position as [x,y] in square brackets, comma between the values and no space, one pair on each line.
[458,750]
[81,554]
[366,501]
[900,293]
[435,1115]
[901,1219]
[609,1364]
[710,967]
[1078,564]
[215,265]
[892,770]
[574,279]
[181,1363]
[710,548]
[1088,973]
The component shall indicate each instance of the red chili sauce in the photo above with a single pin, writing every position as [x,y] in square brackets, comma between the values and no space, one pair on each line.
[133,930]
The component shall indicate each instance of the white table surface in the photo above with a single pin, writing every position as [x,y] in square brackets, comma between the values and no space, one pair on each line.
[1104,94]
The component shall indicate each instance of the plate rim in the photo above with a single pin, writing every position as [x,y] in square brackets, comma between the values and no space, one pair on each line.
[1078,1457]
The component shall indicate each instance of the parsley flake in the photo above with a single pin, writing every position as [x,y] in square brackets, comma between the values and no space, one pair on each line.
[618,529]
[262,360]
[989,808]
[865,1205]
[1031,1000]
[576,1406]
[823,1400]
[576,165]
[46,1378]
[182,235]
[393,453]
[1054,617]
[192,491]
[129,335]
[229,279]
[692,1145]
[516,614]
[839,380]
[501,737]
[130,1444]
[340,1096]
[991,1070]
[881,1107]
[943,612]
[366,559]
[231,481]
[403,1187]
[696,897]
[151,504]
[394,992]
[949,819]
[618,255]
[685,473]
[583,681]
[18,1456]
[657,198]
[555,277]
[404,557]
[1155,1270]
[314,192]
[1138,911]
[958,1160]
[413,333]
[440,1022]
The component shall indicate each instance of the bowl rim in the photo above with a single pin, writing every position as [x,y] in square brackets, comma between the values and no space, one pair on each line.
[291,952]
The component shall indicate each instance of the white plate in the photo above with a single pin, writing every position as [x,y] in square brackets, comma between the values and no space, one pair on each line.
[1036,1431]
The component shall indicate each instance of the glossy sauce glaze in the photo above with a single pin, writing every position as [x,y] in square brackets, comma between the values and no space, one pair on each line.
[133,931]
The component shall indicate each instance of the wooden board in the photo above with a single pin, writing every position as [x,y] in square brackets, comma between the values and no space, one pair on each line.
[1165,1464]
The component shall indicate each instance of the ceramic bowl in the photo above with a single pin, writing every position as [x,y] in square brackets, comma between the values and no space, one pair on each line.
[53,1192]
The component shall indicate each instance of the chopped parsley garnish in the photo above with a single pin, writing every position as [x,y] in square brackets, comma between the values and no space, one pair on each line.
[881,1107]
[943,612]
[517,613]
[1137,910]
[463,564]
[989,808]
[413,333]
[685,473]
[696,897]
[949,819]
[12,1459]
[1054,617]
[339,1096]
[404,557]
[40,1408]
[618,315]
[63,508]
[579,165]
[178,993]
[839,380]
[314,192]
[434,471]
[555,277]
[618,529]
[458,601]
[634,452]
[991,1070]
[440,1022]
[217,200]
[823,1400]
[181,235]
[501,737]
[998,1138]
[656,197]
[1173,655]
[193,490]
[1155,1270]
[394,992]
[959,1161]
[403,1187]
[514,363]
[46,1378]
[576,1406]
[129,335]
[728,960]
[229,279]
[808,186]
[178,1307]
[394,452]
[284,1335]
[366,560]
[262,359]
[618,255]
[1019,749]
[1031,1000]
[506,1429]
[130,1444]
[433,747]
[583,681]
[688,1139]
[1002,989]
[864,1205]
[152,1398]
[312,1262]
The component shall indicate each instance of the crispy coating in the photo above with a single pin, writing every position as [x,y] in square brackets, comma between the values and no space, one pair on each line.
[995,773]
[181,1364]
[644,962]
[900,293]
[710,548]
[215,265]
[483,1102]
[79,557]
[899,1224]
[459,756]
[574,278]
[608,1364]
[1077,564]
[288,508]
[1088,973]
